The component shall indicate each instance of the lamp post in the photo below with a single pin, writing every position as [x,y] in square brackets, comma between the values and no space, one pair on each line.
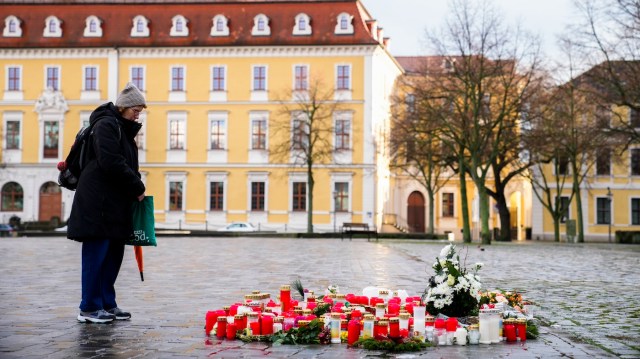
[335,206]
[610,200]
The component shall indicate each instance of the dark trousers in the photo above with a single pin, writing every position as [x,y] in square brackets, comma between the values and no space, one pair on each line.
[101,260]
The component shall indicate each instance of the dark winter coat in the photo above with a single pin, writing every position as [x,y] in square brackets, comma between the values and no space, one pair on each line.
[110,182]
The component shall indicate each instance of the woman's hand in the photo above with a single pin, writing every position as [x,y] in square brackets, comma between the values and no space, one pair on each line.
[141,197]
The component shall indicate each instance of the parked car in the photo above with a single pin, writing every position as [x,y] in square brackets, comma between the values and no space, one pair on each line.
[238,227]
[6,230]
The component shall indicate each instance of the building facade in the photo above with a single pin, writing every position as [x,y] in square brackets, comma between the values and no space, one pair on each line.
[216,78]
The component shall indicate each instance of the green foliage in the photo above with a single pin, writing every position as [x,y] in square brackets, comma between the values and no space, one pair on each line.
[532,329]
[402,345]
[297,285]
[308,334]
[321,308]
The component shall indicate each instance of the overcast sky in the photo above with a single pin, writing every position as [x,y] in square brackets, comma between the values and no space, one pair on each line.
[405,21]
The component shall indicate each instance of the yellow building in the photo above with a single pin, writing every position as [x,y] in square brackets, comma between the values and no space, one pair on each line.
[214,75]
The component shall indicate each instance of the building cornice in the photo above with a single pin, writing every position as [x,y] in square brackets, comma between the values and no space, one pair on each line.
[191,52]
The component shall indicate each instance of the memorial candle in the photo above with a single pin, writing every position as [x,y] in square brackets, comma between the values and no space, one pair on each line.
[353,331]
[266,325]
[231,331]
[285,297]
[510,330]
[221,329]
[394,327]
[210,320]
[521,328]
[335,328]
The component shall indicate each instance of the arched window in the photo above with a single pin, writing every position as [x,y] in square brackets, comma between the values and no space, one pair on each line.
[344,24]
[302,25]
[140,27]
[12,197]
[179,26]
[220,26]
[92,27]
[261,26]
[12,27]
[52,27]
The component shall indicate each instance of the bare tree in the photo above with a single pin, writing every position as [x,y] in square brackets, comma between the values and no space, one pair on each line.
[608,38]
[303,132]
[416,149]
[492,69]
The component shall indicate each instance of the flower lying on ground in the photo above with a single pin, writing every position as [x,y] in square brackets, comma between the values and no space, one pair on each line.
[453,290]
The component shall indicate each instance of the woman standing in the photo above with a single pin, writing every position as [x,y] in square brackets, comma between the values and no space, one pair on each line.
[101,215]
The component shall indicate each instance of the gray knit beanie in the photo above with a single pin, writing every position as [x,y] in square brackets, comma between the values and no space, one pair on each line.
[130,97]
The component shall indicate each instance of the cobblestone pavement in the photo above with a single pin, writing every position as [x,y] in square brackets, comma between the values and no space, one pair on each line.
[588,294]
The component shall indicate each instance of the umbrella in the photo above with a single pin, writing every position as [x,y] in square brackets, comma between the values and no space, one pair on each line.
[138,252]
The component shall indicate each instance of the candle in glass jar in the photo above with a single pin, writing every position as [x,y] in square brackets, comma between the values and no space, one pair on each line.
[510,330]
[474,334]
[394,327]
[266,325]
[335,328]
[241,321]
[231,331]
[380,310]
[367,326]
[353,331]
[404,320]
[521,328]
[285,297]
[221,329]
[485,326]
[419,319]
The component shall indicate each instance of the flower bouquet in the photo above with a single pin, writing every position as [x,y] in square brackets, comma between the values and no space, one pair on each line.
[454,290]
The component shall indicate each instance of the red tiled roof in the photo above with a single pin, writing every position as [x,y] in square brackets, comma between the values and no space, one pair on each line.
[117,20]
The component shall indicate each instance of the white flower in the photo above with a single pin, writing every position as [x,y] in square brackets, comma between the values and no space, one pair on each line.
[445,250]
[479,265]
[443,262]
[451,280]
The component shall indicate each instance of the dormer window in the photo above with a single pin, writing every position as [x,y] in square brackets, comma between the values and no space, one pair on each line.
[220,26]
[344,24]
[52,27]
[179,27]
[261,26]
[12,27]
[140,27]
[302,25]
[93,27]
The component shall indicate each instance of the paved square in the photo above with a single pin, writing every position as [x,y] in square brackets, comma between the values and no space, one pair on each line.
[590,292]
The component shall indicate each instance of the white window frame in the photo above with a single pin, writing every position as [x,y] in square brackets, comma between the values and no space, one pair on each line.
[6,32]
[90,94]
[296,26]
[218,95]
[344,31]
[144,76]
[87,28]
[51,117]
[174,26]
[178,95]
[218,116]
[295,89]
[13,95]
[177,155]
[142,151]
[225,26]
[258,177]
[343,115]
[568,216]
[46,67]
[178,176]
[258,155]
[455,208]
[144,32]
[85,118]
[260,95]
[343,94]
[12,155]
[256,31]
[631,150]
[295,177]
[217,177]
[57,31]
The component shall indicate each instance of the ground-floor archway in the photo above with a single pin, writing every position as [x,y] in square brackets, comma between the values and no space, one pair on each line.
[50,202]
[415,212]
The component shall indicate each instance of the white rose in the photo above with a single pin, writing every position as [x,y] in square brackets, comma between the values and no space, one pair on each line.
[451,280]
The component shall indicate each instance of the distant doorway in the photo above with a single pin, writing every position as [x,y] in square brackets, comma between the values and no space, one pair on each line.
[415,212]
[50,202]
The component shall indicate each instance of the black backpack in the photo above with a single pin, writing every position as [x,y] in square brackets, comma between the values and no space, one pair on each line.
[77,158]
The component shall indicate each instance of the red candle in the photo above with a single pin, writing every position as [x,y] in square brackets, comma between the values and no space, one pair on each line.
[311,305]
[521,328]
[393,308]
[266,325]
[394,327]
[452,324]
[404,333]
[353,331]
[221,330]
[255,328]
[241,321]
[510,330]
[231,331]
[210,321]
[285,297]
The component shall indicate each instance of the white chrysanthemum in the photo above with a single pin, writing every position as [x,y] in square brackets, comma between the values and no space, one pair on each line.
[445,251]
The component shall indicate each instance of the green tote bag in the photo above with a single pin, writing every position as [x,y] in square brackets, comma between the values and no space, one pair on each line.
[144,232]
